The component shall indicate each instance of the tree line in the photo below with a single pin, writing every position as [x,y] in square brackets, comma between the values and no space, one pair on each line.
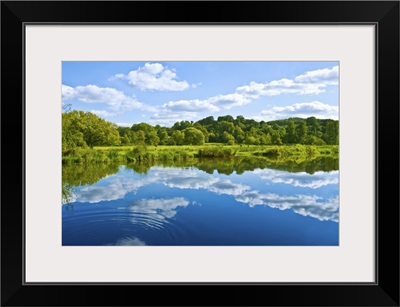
[85,129]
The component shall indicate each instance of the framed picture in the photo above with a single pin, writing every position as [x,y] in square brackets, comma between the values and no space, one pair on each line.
[245,153]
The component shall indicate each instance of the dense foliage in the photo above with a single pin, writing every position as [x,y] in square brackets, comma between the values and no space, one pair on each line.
[227,130]
[82,130]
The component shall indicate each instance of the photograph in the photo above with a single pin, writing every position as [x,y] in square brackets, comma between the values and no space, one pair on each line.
[241,153]
[206,153]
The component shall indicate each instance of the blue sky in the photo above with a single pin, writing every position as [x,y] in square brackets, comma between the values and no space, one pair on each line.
[166,92]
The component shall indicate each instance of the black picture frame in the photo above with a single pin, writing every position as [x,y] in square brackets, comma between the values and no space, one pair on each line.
[383,14]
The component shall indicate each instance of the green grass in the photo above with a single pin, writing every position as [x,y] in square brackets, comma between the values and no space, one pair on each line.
[133,154]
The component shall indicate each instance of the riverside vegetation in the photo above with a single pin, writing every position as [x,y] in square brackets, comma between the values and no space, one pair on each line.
[86,138]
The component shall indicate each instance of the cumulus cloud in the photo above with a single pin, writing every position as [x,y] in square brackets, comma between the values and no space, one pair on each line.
[67,92]
[229,101]
[154,77]
[168,118]
[303,110]
[301,179]
[306,205]
[312,82]
[189,109]
[212,104]
[116,100]
[320,76]
[190,106]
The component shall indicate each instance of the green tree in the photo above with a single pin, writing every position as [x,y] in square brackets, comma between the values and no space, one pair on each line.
[163,136]
[226,118]
[152,138]
[276,138]
[314,127]
[208,121]
[223,126]
[239,135]
[331,136]
[125,140]
[313,140]
[301,131]
[204,130]
[72,135]
[193,136]
[291,136]
[139,137]
[177,138]
[94,130]
[250,140]
[228,138]
[182,125]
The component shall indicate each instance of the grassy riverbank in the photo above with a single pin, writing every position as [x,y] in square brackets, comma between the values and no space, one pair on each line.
[130,154]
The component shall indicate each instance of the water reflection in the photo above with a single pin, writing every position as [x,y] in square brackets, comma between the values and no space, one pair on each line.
[306,205]
[212,184]
[199,202]
[129,241]
[113,188]
[155,212]
[75,175]
[301,179]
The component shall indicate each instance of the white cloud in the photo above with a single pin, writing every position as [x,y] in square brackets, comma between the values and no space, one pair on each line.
[117,76]
[321,76]
[312,82]
[303,110]
[154,77]
[116,100]
[124,124]
[168,118]
[103,113]
[189,109]
[229,101]
[212,104]
[67,92]
[195,105]
[301,179]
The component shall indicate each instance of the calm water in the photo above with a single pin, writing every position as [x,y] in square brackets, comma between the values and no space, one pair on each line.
[202,203]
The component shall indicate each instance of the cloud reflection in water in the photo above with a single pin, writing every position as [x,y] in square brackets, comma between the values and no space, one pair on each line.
[301,179]
[155,212]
